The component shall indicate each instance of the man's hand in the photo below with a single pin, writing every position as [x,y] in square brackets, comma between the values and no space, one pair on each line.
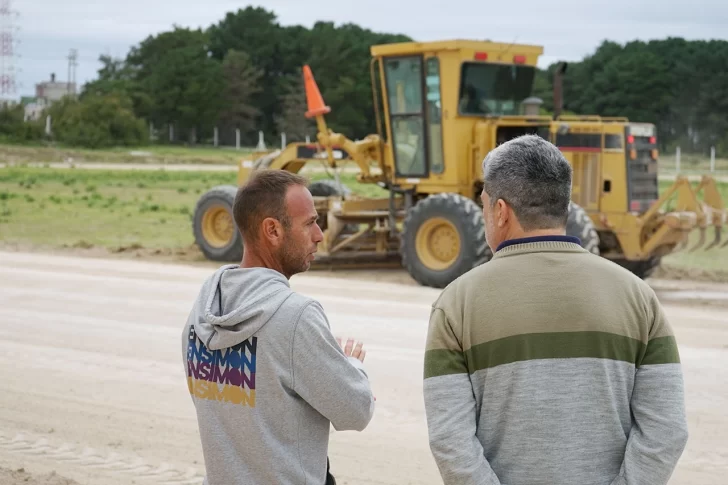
[352,350]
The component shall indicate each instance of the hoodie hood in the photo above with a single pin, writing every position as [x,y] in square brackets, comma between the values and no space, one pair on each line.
[236,302]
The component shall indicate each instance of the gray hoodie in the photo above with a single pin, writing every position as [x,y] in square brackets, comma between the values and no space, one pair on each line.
[267,379]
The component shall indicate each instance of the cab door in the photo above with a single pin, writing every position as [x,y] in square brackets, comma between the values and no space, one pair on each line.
[406,103]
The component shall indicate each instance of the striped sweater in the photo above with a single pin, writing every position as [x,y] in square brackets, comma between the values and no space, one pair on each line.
[549,365]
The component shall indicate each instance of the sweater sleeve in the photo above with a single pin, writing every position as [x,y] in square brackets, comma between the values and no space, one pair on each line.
[335,385]
[659,427]
[450,408]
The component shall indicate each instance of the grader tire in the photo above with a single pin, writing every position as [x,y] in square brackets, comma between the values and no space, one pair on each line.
[214,226]
[443,237]
[328,188]
[580,225]
[641,269]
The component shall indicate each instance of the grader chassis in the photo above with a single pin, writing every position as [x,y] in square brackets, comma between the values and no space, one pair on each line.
[444,106]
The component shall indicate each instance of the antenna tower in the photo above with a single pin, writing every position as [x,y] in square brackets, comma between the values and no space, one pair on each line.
[7,49]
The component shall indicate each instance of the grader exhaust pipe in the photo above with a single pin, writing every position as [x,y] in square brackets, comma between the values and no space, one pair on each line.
[559,89]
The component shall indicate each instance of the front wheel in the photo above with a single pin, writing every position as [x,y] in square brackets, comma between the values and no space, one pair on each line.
[214,227]
[443,237]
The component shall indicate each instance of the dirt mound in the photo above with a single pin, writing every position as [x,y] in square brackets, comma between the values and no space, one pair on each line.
[20,476]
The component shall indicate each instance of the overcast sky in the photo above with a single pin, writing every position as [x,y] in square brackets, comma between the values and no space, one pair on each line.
[569,29]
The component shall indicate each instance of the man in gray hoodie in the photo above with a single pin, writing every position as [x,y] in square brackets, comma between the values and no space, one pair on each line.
[266,375]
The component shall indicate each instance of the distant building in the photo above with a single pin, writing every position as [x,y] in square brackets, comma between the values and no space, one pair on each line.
[46,93]
[52,91]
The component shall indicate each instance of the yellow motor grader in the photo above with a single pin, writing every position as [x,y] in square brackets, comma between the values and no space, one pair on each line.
[440,107]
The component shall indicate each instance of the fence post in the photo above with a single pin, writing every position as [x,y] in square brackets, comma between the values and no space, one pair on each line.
[171,133]
[237,138]
[215,136]
[261,142]
[283,141]
[677,160]
[48,126]
[712,159]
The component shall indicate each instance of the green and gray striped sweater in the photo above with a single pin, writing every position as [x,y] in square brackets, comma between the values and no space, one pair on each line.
[549,365]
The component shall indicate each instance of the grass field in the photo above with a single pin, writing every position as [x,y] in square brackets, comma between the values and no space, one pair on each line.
[124,209]
[18,154]
[112,209]
[690,163]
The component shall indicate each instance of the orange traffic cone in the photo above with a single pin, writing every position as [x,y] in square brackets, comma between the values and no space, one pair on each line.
[316,104]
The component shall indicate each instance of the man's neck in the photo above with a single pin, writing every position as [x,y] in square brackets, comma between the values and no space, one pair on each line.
[518,233]
[254,258]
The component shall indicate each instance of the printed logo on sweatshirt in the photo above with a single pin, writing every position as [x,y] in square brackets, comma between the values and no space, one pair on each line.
[226,375]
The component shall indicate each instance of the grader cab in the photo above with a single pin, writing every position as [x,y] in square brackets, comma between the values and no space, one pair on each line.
[440,107]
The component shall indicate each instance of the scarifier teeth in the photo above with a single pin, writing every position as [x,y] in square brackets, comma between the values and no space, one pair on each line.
[716,241]
[701,241]
[682,245]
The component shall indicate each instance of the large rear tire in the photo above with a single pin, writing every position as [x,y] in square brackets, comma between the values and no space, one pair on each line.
[214,227]
[580,225]
[328,188]
[443,237]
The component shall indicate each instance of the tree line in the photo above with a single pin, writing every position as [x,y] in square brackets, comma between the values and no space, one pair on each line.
[244,72]
[681,86]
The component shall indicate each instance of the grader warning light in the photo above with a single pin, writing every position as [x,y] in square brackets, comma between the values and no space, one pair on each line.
[440,108]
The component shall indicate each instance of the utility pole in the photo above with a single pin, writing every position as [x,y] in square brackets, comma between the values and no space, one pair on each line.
[71,86]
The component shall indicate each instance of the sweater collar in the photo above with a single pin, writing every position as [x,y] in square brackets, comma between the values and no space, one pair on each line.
[526,240]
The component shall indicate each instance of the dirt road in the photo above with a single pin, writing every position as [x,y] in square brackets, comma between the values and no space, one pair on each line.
[92,385]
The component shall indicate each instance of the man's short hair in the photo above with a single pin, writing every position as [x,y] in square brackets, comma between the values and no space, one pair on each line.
[533,177]
[262,196]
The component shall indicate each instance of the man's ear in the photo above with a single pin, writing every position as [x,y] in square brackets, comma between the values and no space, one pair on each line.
[502,212]
[272,231]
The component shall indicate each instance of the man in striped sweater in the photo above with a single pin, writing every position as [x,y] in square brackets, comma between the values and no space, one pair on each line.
[549,365]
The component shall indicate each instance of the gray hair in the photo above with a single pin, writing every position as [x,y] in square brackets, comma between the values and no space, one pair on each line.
[533,177]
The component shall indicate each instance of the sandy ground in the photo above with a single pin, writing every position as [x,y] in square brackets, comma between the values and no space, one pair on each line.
[92,386]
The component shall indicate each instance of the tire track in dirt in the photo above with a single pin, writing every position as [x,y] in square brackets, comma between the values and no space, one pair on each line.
[108,463]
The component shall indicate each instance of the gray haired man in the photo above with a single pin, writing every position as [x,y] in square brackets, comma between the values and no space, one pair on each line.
[549,364]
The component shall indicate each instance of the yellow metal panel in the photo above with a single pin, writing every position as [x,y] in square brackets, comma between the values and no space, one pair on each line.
[614,171]
[388,148]
[466,47]
[586,179]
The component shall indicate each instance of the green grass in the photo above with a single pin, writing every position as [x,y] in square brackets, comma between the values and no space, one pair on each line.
[19,154]
[109,208]
[153,209]
[690,163]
